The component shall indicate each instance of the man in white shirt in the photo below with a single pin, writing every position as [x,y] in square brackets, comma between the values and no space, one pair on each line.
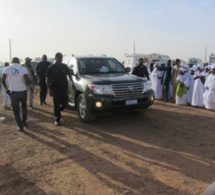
[17,89]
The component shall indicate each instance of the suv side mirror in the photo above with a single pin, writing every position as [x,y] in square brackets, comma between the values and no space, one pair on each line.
[128,69]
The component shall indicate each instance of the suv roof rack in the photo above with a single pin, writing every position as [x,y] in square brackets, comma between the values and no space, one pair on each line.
[96,55]
[68,55]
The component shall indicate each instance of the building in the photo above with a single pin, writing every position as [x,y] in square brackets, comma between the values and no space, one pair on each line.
[212,59]
[131,60]
[195,61]
[158,57]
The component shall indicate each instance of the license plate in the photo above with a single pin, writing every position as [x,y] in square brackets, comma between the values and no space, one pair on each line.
[131,102]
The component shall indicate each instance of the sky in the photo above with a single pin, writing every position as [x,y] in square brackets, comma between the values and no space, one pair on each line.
[178,28]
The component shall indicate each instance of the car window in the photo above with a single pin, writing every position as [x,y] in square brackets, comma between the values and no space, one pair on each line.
[99,65]
[115,66]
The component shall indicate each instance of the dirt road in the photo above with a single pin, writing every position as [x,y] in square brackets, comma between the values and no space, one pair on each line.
[167,150]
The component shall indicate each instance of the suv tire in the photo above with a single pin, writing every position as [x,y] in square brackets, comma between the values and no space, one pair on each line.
[83,110]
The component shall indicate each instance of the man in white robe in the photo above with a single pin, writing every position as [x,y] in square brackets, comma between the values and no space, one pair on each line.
[207,71]
[198,89]
[209,94]
[183,84]
[190,76]
[207,86]
[6,98]
[156,77]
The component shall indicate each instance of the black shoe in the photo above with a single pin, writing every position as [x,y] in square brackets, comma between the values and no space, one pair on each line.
[25,124]
[19,129]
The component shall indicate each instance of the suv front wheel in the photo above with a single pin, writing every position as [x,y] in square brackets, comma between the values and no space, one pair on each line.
[83,110]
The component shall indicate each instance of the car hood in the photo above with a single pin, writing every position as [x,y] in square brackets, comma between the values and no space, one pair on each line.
[112,78]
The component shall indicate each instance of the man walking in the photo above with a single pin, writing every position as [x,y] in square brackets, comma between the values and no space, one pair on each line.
[141,70]
[41,69]
[58,85]
[18,78]
[31,77]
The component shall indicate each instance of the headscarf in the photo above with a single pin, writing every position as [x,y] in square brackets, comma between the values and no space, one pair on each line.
[182,69]
[208,67]
[157,64]
[194,68]
[187,66]
[201,66]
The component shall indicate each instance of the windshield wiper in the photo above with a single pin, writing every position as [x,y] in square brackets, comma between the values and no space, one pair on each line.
[111,72]
[91,73]
[115,72]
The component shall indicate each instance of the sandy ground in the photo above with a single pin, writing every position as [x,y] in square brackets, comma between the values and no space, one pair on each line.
[166,150]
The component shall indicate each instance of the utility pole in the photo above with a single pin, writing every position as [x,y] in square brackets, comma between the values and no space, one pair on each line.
[10,50]
[134,49]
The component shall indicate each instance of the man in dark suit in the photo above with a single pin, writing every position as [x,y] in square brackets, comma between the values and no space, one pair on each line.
[41,69]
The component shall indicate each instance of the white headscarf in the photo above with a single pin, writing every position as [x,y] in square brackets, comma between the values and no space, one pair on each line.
[157,64]
[182,69]
[187,66]
[194,68]
[201,66]
[208,67]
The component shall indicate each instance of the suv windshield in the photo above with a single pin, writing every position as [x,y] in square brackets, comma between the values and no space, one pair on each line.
[99,65]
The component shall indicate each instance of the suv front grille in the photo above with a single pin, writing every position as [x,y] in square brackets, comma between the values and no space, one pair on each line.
[128,89]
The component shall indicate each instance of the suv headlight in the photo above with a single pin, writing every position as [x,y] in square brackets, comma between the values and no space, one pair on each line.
[147,86]
[101,89]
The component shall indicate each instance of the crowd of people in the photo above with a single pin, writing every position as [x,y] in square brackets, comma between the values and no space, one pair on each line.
[18,85]
[184,85]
